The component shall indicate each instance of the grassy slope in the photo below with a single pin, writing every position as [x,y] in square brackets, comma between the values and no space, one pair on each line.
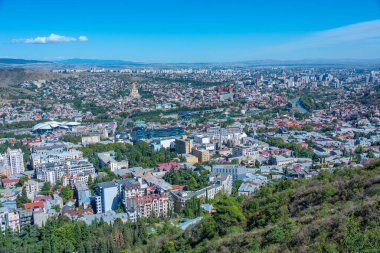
[337,212]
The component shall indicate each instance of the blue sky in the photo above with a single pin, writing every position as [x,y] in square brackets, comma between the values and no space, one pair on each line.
[189,31]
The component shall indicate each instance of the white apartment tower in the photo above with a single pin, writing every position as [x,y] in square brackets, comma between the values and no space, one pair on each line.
[15,160]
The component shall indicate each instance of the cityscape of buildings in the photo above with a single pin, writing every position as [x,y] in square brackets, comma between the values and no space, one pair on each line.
[237,126]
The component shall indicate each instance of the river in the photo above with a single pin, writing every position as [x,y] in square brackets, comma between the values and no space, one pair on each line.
[301,109]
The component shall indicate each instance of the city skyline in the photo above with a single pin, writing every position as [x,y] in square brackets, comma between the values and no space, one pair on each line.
[189,32]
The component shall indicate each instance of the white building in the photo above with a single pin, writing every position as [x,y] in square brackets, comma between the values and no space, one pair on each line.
[201,139]
[10,219]
[15,160]
[236,171]
[107,198]
[241,150]
[31,187]
[108,158]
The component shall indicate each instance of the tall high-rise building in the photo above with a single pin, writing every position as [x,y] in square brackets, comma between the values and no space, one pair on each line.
[134,91]
[107,198]
[15,160]
[183,146]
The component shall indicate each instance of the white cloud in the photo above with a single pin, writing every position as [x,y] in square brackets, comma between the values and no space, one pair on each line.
[52,38]
[359,40]
[82,38]
[359,32]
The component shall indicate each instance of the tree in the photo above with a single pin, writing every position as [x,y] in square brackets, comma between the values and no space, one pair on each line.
[67,193]
[169,247]
[23,180]
[257,163]
[307,128]
[359,149]
[235,161]
[57,185]
[56,208]
[91,184]
[371,154]
[22,199]
[46,189]
[192,184]
[228,214]
[235,186]
[194,180]
[72,138]
[119,209]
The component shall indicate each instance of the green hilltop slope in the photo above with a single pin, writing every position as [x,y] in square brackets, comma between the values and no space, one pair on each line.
[334,212]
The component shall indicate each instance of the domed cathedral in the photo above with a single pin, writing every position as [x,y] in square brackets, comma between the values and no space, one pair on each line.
[134,91]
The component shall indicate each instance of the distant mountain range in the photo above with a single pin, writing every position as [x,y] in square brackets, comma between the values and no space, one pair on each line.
[77,61]
[19,61]
[268,62]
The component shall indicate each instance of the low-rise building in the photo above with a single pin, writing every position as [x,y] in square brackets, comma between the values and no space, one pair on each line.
[219,183]
[82,194]
[108,159]
[86,140]
[8,183]
[281,161]
[236,171]
[190,158]
[32,187]
[167,166]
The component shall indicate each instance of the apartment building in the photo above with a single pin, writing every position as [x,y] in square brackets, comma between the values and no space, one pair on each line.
[80,169]
[12,162]
[236,171]
[202,155]
[149,205]
[107,197]
[183,146]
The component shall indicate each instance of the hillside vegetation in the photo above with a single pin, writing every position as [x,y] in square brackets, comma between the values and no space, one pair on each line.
[334,212]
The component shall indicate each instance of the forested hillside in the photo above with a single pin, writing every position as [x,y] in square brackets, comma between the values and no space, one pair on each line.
[335,212]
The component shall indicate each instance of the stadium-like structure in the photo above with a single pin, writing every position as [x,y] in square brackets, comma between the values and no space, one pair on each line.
[46,127]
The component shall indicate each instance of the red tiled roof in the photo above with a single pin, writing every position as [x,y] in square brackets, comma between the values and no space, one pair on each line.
[78,212]
[9,181]
[150,198]
[178,187]
[34,205]
[42,198]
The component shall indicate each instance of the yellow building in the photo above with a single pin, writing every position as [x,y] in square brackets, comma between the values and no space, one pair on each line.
[202,155]
[191,158]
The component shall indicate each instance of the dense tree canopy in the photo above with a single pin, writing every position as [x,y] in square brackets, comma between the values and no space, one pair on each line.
[63,235]
[298,149]
[193,180]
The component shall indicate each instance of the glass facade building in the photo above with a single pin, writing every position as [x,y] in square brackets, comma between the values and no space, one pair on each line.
[143,133]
